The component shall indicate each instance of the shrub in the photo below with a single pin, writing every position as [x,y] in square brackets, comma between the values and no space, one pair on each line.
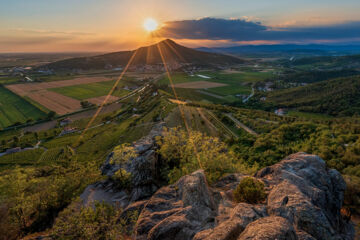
[100,222]
[250,190]
[183,153]
[352,192]
[122,179]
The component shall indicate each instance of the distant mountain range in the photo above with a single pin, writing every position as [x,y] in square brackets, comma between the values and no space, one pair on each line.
[287,49]
[174,55]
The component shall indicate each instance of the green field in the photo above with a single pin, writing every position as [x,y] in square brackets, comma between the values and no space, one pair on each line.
[91,90]
[238,83]
[15,109]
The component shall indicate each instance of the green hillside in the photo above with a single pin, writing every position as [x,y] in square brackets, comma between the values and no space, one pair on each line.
[14,109]
[340,96]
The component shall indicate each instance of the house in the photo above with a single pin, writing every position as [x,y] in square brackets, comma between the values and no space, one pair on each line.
[65,122]
[27,79]
[280,112]
[67,130]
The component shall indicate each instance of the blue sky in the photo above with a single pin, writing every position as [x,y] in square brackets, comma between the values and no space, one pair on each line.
[106,25]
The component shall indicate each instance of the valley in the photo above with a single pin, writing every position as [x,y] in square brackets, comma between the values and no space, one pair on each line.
[58,135]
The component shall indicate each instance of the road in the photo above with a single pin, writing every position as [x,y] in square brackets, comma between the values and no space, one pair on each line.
[250,96]
[241,125]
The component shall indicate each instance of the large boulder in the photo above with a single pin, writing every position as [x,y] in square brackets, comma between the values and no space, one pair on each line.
[269,228]
[178,211]
[143,169]
[308,195]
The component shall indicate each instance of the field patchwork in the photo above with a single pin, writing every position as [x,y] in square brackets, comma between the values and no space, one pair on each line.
[25,89]
[62,103]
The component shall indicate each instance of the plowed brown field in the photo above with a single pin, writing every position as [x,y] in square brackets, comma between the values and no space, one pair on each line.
[54,101]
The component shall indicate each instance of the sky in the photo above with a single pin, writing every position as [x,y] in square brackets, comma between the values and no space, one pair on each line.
[114,25]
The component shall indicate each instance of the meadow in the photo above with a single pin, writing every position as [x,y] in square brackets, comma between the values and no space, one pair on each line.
[91,90]
[237,83]
[15,109]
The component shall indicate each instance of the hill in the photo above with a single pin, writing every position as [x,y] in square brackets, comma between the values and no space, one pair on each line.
[335,97]
[174,54]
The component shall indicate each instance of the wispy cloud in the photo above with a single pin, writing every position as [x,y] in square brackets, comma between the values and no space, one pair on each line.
[50,32]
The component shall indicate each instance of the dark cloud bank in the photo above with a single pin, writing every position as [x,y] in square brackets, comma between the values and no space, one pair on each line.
[242,30]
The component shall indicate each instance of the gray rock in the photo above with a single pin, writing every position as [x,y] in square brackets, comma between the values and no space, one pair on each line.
[269,228]
[143,169]
[240,217]
[308,194]
[304,201]
[178,211]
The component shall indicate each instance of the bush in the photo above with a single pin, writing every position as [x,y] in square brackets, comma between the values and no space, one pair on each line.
[250,190]
[101,222]
[352,192]
[122,179]
[183,153]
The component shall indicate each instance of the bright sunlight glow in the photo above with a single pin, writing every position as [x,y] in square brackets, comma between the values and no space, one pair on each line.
[150,24]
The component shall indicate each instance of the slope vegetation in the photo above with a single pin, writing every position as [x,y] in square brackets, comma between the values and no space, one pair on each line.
[335,97]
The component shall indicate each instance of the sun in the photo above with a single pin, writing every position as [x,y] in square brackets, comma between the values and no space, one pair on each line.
[150,24]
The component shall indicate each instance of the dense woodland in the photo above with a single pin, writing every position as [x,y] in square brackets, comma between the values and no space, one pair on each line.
[336,97]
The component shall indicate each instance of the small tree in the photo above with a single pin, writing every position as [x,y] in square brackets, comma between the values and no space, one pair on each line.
[122,179]
[51,115]
[250,190]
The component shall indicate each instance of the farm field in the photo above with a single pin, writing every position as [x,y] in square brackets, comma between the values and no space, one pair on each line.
[234,82]
[91,90]
[64,96]
[15,109]
[25,89]
[56,102]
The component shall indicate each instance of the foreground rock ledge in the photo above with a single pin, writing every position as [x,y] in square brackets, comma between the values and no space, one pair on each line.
[304,202]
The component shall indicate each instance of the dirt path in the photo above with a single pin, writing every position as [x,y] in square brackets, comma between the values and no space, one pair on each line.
[250,96]
[241,125]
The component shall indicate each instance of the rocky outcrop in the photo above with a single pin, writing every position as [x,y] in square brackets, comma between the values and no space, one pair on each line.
[143,169]
[178,211]
[304,202]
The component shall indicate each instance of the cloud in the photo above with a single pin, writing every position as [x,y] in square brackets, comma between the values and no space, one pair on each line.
[245,30]
[50,32]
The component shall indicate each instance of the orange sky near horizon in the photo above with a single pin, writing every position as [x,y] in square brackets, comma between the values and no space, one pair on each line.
[115,25]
